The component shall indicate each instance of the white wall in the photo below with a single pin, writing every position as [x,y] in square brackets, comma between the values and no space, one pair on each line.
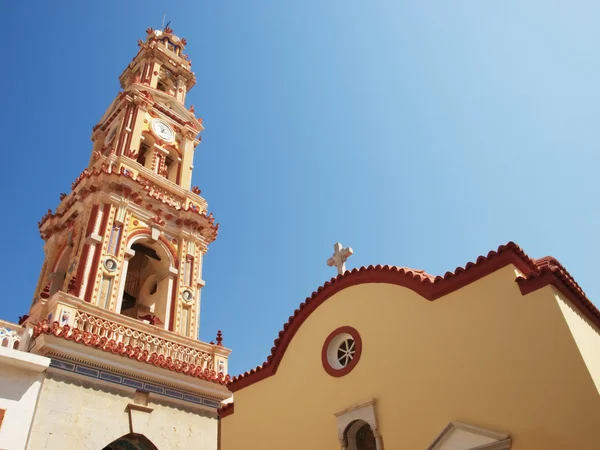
[21,377]
[75,414]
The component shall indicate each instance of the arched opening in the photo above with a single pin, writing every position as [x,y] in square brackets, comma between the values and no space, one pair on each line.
[146,292]
[161,86]
[170,45]
[166,81]
[171,170]
[58,275]
[131,441]
[359,436]
[145,154]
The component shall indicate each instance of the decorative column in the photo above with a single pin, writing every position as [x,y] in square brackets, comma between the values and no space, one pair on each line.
[378,440]
[137,127]
[173,272]
[101,247]
[188,161]
[125,264]
[181,89]
[154,74]
[125,133]
[85,273]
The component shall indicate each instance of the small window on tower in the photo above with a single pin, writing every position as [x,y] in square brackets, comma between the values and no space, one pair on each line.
[168,166]
[143,153]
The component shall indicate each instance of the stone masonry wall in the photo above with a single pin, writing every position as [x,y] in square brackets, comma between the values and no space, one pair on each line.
[80,415]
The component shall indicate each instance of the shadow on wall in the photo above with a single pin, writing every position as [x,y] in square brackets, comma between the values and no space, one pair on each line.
[15,382]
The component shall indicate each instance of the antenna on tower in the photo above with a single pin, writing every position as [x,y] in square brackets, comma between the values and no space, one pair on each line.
[163,22]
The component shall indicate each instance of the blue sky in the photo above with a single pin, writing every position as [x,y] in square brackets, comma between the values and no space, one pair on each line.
[421,133]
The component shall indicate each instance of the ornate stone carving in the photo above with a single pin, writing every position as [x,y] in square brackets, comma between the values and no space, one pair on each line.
[72,287]
[46,292]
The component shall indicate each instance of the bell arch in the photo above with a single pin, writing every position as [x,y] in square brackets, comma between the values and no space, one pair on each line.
[145,155]
[171,165]
[148,276]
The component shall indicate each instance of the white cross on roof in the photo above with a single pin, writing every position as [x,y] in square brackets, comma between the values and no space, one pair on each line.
[339,257]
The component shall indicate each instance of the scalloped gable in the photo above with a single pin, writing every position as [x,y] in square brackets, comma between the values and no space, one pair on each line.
[535,274]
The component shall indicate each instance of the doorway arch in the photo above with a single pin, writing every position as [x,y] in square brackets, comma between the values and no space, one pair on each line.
[131,441]
[360,436]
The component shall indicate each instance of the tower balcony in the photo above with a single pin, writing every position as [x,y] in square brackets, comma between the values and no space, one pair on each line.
[85,325]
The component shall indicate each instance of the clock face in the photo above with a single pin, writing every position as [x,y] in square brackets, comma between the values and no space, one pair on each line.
[163,130]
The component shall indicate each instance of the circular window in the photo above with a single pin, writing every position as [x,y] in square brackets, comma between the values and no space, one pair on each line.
[110,264]
[341,351]
[187,295]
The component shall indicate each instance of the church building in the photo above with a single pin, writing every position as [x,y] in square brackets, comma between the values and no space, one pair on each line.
[501,354]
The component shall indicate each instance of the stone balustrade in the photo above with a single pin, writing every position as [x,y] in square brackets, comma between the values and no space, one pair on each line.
[136,338]
[10,334]
[87,324]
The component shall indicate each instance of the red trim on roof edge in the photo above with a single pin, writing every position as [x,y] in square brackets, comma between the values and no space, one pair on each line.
[537,274]
[553,273]
[225,410]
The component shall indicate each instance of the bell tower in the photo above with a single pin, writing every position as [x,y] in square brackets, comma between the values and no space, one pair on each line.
[117,304]
[131,235]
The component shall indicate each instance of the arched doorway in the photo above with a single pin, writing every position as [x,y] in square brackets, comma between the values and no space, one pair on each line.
[359,436]
[131,441]
[148,283]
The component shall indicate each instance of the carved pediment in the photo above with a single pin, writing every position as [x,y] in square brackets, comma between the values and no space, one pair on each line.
[462,436]
[170,102]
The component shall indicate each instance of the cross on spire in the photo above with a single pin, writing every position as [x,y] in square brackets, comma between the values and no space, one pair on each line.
[339,257]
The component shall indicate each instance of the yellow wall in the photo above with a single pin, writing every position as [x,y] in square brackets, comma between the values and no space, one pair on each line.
[485,355]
